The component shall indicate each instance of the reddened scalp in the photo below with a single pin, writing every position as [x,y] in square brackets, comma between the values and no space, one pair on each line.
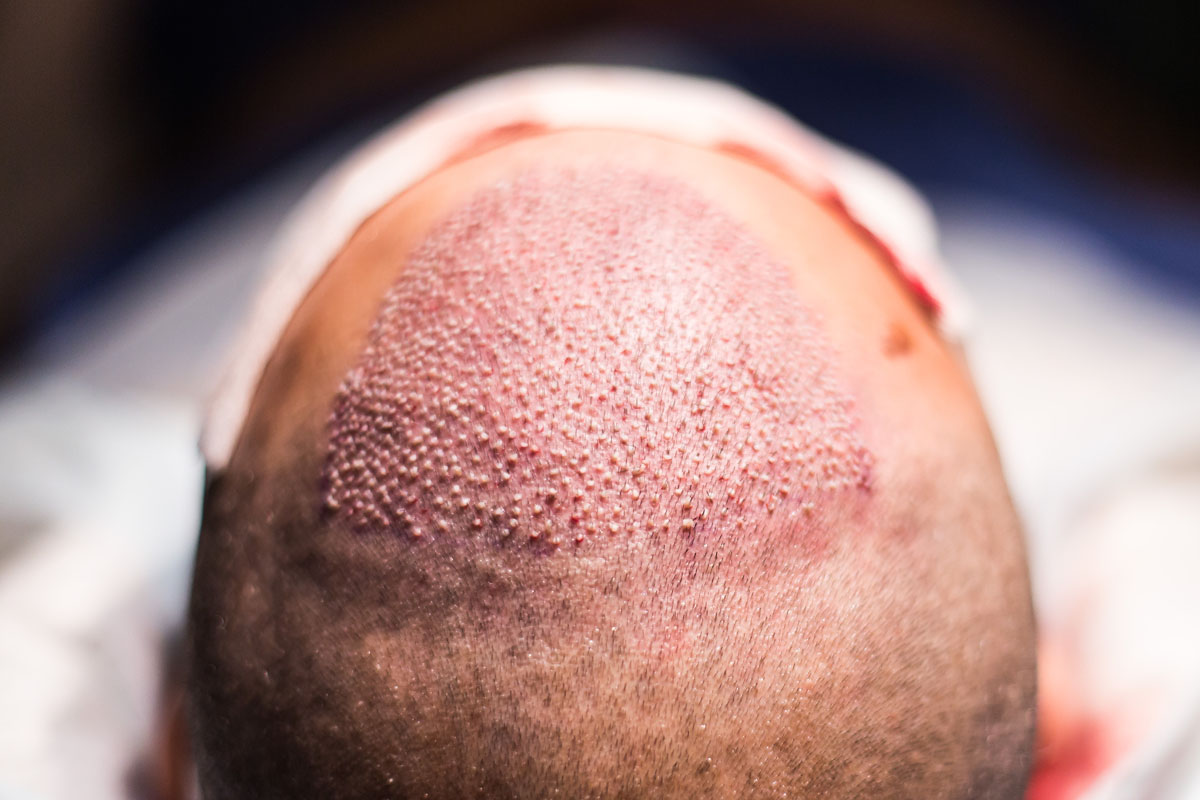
[582,353]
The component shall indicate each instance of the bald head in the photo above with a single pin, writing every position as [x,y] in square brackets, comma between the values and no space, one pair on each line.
[602,466]
[579,355]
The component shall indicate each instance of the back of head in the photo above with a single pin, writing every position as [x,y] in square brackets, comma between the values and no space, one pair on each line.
[597,476]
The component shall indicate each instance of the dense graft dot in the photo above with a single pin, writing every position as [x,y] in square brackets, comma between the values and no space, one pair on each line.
[585,354]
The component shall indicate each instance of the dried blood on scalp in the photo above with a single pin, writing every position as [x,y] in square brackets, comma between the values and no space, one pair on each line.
[578,354]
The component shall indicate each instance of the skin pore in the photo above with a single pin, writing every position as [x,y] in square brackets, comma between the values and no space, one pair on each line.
[752,537]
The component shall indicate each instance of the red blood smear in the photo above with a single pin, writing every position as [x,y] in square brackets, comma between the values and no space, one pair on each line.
[1072,767]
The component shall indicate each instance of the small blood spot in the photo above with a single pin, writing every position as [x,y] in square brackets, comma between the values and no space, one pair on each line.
[897,342]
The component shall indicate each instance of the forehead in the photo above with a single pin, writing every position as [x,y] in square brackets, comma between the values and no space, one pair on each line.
[836,274]
[587,352]
[684,110]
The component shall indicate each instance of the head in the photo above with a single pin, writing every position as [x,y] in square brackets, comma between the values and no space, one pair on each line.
[601,465]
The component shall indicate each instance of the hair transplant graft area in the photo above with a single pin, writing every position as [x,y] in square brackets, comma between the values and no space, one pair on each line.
[591,468]
[584,354]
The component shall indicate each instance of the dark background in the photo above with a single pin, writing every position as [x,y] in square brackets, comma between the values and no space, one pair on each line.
[120,119]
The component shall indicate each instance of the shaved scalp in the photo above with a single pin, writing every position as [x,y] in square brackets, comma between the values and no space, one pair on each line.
[583,354]
[594,507]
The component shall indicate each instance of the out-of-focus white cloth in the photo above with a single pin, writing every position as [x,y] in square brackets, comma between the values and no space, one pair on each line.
[99,496]
[100,489]
[1092,383]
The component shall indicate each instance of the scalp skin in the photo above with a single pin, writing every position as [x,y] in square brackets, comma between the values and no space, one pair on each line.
[878,645]
[566,359]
